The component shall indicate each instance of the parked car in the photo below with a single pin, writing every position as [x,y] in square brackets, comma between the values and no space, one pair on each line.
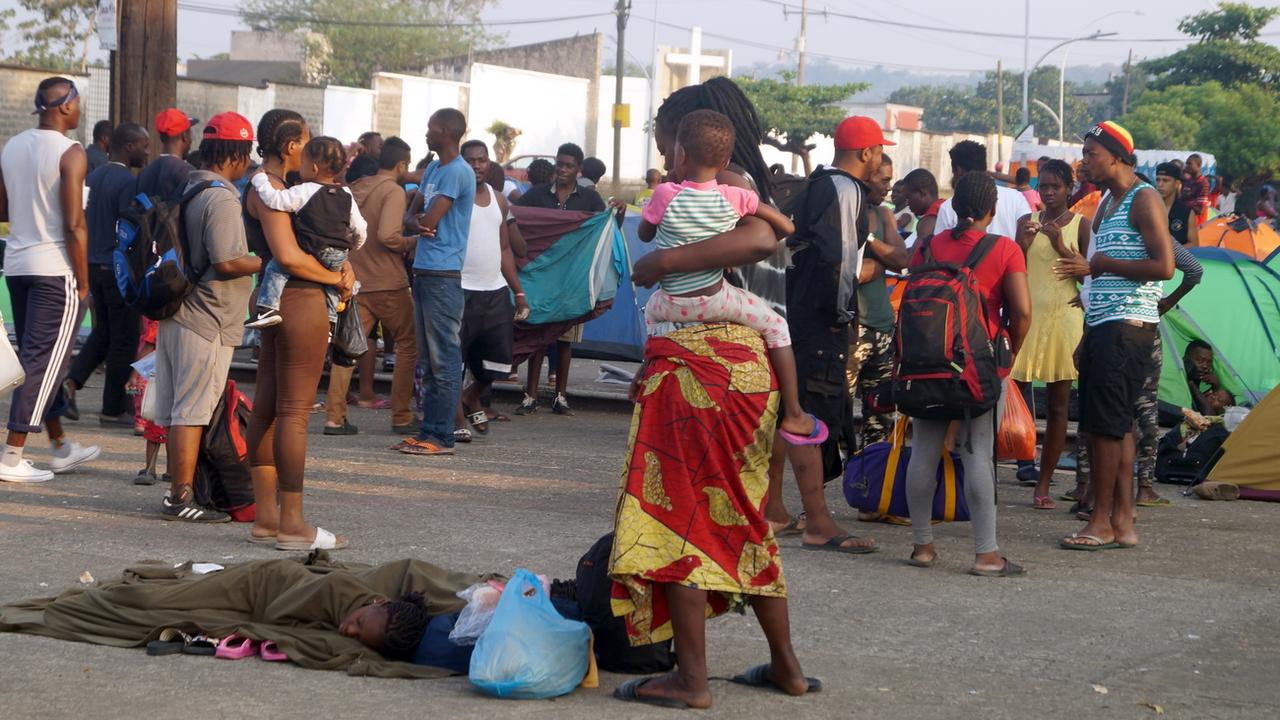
[517,168]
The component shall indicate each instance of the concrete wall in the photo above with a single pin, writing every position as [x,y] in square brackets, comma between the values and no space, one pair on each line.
[403,103]
[17,98]
[306,99]
[546,108]
[348,112]
[273,46]
[575,57]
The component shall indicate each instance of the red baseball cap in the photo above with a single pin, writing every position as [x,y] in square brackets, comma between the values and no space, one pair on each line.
[173,122]
[228,126]
[858,132]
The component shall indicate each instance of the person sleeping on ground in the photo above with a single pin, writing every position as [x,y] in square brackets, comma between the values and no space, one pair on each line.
[322,614]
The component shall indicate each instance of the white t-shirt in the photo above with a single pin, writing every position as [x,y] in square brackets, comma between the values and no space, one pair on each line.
[36,245]
[1010,205]
[482,265]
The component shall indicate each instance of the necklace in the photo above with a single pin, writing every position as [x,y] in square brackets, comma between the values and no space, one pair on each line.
[1055,220]
[1113,204]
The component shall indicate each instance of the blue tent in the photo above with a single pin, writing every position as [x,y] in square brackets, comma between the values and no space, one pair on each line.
[619,333]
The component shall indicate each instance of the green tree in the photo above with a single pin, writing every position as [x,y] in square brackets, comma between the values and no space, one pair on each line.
[58,33]
[973,110]
[367,36]
[1239,125]
[791,114]
[1227,51]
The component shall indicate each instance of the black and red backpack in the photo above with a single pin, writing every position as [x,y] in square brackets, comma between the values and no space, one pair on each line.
[948,367]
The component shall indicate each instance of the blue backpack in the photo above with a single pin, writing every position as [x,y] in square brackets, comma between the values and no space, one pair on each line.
[150,258]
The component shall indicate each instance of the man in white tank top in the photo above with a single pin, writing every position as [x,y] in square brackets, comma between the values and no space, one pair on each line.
[488,281]
[46,267]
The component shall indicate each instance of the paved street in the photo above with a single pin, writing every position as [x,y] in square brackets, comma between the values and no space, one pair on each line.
[1189,622]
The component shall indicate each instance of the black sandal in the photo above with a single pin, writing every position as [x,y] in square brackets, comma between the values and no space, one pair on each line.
[479,421]
[758,677]
[627,692]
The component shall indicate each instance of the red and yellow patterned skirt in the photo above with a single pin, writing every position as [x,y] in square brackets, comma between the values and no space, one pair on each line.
[693,492]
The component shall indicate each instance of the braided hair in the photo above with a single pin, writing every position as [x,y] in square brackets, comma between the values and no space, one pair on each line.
[1059,168]
[975,198]
[724,96]
[406,622]
[327,153]
[277,129]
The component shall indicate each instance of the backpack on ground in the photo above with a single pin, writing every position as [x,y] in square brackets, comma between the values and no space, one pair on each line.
[948,368]
[150,260]
[1186,465]
[614,651]
[222,478]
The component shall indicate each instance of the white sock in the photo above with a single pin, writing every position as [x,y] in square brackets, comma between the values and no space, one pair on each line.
[11,457]
[61,448]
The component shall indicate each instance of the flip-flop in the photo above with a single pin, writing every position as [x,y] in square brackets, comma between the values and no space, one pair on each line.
[170,642]
[414,446]
[270,652]
[201,645]
[835,545]
[1100,544]
[1009,569]
[1158,502]
[462,435]
[758,677]
[627,692]
[916,562]
[479,421]
[236,647]
[791,528]
[1043,502]
[1125,546]
[262,539]
[325,540]
[816,437]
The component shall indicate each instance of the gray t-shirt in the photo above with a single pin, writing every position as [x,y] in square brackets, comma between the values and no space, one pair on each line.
[215,234]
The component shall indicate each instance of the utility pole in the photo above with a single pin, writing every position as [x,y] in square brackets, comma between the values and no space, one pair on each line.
[800,41]
[1026,63]
[145,75]
[1124,102]
[620,74]
[1000,110]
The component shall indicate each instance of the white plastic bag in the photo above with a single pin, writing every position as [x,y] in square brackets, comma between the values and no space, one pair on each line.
[482,601]
[11,372]
[1233,417]
[146,367]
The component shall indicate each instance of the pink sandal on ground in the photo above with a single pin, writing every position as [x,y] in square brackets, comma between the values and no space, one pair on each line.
[1043,502]
[236,647]
[271,652]
[817,437]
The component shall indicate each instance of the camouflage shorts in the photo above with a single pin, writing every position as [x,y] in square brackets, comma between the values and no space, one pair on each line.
[869,374]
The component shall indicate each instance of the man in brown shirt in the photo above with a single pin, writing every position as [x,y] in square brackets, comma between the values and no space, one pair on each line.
[384,292]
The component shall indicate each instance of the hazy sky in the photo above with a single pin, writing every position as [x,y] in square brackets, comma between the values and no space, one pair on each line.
[756,30]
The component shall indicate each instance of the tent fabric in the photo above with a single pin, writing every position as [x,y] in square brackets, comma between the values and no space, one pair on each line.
[1239,234]
[1236,309]
[1250,457]
[619,333]
[571,274]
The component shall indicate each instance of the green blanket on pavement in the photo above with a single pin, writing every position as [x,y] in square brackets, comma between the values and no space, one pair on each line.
[298,603]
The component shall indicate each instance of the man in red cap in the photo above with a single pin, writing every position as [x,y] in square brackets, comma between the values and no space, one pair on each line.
[167,175]
[822,289]
[193,348]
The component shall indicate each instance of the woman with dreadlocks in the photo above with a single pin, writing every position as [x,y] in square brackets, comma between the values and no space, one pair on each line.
[1002,279]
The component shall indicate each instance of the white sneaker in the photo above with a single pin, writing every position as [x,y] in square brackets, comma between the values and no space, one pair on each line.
[79,455]
[24,472]
[266,319]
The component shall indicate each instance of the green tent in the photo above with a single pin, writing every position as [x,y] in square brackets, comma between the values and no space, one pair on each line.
[1236,309]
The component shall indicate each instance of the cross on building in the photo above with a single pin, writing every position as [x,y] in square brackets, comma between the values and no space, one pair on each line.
[694,61]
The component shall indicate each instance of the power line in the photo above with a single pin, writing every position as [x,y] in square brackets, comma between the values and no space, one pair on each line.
[971,32]
[315,20]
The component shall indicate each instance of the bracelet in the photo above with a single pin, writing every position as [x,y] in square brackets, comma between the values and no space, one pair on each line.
[520,295]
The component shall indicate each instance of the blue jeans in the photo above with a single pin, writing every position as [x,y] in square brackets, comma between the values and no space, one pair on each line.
[438,303]
[271,286]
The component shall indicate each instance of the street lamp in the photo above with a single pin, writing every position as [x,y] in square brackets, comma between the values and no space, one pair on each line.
[1062,70]
[1026,71]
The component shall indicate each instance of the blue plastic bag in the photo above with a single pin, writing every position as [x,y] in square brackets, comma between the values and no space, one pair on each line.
[529,651]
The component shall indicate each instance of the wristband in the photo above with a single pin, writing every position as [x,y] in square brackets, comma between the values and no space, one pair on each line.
[520,295]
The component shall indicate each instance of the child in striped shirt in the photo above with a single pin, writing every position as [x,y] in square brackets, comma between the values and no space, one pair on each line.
[693,207]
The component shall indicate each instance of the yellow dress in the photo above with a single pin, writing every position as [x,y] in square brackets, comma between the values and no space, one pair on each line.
[1056,326]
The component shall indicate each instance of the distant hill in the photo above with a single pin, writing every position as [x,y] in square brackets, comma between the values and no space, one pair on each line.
[884,80]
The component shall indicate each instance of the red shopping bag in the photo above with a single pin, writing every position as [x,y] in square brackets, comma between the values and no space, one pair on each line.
[1016,439]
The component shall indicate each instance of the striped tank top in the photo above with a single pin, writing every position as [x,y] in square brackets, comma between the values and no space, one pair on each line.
[1112,297]
[693,215]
